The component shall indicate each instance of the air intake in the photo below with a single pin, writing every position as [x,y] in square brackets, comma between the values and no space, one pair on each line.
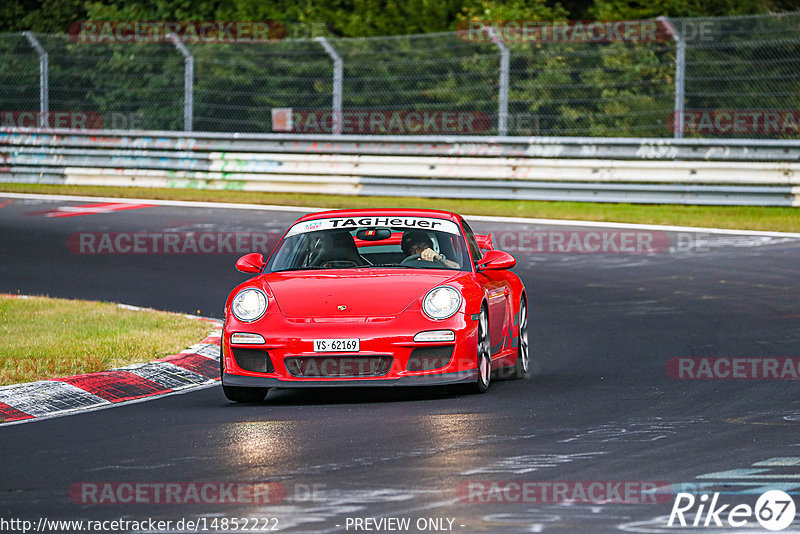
[253,360]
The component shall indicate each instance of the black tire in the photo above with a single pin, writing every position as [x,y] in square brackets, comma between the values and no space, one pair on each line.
[484,379]
[240,394]
[522,367]
[237,393]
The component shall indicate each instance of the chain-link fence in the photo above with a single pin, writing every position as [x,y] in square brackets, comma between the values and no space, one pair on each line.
[729,77]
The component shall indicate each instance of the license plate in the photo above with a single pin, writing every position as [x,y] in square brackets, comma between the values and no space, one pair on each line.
[336,345]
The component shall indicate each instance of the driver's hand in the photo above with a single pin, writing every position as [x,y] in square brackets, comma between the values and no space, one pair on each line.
[429,255]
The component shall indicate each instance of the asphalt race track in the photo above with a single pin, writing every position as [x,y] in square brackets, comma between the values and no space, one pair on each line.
[605,407]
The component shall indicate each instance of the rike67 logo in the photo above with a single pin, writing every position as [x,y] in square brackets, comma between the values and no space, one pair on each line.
[774,510]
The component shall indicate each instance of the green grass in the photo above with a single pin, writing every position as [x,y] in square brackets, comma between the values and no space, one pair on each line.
[43,338]
[737,217]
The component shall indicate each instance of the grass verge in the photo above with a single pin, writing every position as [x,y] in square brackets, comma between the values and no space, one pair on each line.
[736,217]
[49,338]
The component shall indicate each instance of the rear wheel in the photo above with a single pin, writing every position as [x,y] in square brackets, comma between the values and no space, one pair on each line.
[237,393]
[523,356]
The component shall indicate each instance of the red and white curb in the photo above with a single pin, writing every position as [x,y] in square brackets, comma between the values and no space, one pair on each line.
[197,366]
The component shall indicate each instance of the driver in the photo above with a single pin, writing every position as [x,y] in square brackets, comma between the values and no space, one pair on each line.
[417,242]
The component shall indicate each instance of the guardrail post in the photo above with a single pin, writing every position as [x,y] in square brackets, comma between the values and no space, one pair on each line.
[44,67]
[188,82]
[502,97]
[338,75]
[680,77]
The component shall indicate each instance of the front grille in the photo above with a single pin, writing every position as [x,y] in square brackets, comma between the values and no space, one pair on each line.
[338,366]
[253,360]
[428,358]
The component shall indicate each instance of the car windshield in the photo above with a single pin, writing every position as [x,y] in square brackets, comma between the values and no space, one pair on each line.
[364,243]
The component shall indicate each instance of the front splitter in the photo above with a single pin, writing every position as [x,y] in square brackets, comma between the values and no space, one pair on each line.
[425,380]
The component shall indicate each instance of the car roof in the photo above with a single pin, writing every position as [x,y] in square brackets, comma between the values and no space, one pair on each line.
[376,212]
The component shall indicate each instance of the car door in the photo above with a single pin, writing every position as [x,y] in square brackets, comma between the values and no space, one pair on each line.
[498,295]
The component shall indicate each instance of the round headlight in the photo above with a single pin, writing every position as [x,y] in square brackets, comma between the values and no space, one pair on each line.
[249,304]
[441,302]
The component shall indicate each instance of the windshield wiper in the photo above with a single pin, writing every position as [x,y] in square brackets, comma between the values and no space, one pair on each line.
[383,265]
[305,268]
[317,267]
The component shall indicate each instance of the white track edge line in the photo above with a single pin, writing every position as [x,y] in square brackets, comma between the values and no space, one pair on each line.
[483,218]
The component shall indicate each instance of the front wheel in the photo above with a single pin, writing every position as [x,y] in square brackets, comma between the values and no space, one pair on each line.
[481,385]
[238,393]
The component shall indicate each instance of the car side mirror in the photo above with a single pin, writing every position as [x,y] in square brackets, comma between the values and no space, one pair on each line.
[496,260]
[250,263]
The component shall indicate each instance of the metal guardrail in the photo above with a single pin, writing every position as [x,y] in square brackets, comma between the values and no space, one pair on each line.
[685,171]
[486,146]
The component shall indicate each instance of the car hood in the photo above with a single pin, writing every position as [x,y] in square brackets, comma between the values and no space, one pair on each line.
[380,293]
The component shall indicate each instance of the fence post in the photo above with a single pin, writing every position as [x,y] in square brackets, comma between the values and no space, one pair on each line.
[502,97]
[338,74]
[680,77]
[44,67]
[188,82]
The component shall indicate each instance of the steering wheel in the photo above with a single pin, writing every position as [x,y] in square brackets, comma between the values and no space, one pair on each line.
[414,258]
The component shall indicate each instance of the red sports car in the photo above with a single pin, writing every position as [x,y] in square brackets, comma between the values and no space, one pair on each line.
[375,297]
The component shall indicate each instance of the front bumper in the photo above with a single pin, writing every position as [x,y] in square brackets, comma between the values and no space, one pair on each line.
[386,342]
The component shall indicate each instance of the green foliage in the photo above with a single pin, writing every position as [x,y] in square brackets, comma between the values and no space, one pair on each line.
[556,88]
[649,9]
[513,10]
[362,18]
[46,16]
